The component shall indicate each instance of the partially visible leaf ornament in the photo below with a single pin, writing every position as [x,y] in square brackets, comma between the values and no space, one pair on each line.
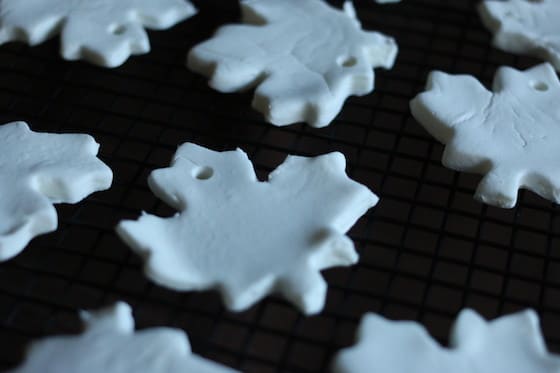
[37,170]
[525,27]
[103,32]
[110,345]
[511,344]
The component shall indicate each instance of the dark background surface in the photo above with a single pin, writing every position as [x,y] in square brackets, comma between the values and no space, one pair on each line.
[427,250]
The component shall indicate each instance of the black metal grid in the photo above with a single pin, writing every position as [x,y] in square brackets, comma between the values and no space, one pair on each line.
[427,250]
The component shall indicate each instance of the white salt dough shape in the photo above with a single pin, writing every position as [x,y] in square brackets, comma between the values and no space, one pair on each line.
[37,170]
[103,32]
[110,345]
[245,237]
[304,57]
[511,343]
[512,135]
[525,27]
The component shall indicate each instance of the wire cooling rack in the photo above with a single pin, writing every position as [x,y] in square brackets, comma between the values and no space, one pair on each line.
[427,250]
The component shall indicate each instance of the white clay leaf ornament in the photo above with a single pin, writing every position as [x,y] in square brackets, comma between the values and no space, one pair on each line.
[245,237]
[110,345]
[511,344]
[510,134]
[303,56]
[525,27]
[103,32]
[37,170]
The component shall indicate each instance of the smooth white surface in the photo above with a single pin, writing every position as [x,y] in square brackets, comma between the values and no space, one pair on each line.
[525,27]
[110,345]
[247,238]
[511,344]
[103,32]
[303,56]
[510,134]
[37,170]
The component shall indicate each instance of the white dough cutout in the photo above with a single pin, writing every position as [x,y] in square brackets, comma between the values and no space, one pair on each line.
[110,345]
[37,170]
[245,237]
[511,344]
[303,56]
[510,134]
[525,27]
[103,32]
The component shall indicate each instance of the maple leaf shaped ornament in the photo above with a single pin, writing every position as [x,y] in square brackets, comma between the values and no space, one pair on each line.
[510,135]
[245,237]
[511,343]
[37,170]
[525,27]
[110,345]
[303,56]
[103,32]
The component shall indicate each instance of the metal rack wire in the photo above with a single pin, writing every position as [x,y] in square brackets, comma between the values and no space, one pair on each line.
[427,250]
